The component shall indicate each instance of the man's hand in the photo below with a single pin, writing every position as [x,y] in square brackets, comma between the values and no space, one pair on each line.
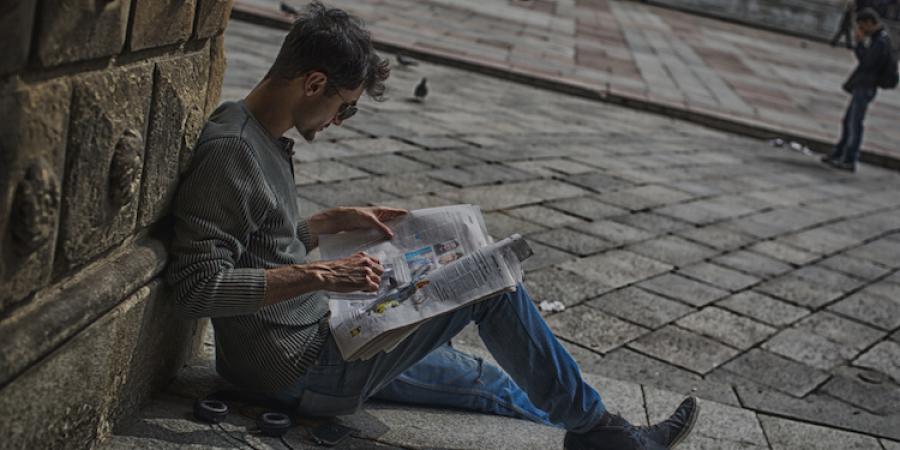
[359,272]
[858,35]
[354,218]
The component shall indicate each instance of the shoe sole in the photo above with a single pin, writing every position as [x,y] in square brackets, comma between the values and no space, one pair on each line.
[689,427]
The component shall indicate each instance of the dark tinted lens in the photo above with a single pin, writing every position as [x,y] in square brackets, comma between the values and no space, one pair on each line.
[346,112]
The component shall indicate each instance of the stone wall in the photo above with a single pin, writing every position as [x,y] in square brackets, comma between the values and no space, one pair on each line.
[101,102]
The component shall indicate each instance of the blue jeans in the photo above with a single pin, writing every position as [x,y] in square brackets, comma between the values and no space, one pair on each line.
[847,149]
[541,381]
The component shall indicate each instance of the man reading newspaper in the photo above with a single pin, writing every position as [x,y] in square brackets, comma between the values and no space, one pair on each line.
[239,256]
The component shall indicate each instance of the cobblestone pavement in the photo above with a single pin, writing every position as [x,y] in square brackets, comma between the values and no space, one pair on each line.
[649,53]
[690,260]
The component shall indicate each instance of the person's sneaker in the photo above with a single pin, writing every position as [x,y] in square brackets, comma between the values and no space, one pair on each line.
[828,159]
[673,430]
[848,166]
[617,433]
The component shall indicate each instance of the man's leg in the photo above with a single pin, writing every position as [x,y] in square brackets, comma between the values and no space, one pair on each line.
[512,329]
[516,335]
[450,378]
[856,115]
[838,153]
[843,30]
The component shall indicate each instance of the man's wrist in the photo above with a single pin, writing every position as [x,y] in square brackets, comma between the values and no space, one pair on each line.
[286,282]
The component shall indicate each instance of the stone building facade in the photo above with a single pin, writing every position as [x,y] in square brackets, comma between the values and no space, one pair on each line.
[101,102]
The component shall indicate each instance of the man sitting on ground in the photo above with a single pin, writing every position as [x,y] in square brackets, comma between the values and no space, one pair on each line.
[240,257]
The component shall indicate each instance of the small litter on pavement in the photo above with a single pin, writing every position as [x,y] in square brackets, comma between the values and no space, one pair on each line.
[555,306]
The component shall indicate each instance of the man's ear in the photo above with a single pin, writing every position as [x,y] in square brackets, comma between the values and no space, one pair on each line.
[314,83]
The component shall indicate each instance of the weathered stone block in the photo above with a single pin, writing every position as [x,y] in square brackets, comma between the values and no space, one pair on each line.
[555,284]
[572,241]
[673,250]
[212,17]
[68,25]
[753,263]
[32,155]
[732,329]
[175,122]
[685,349]
[764,308]
[103,165]
[55,315]
[73,396]
[161,22]
[545,256]
[216,74]
[819,409]
[769,369]
[865,389]
[625,364]
[719,276]
[617,268]
[797,435]
[386,164]
[684,289]
[152,354]
[641,307]
[587,207]
[500,225]
[15,34]
[593,328]
[613,231]
[544,216]
[883,357]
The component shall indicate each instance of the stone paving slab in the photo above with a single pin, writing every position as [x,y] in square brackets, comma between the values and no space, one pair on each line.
[851,224]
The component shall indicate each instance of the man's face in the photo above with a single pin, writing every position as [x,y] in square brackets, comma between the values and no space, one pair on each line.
[867,27]
[315,110]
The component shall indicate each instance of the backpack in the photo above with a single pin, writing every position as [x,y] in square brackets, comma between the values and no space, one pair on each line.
[889,74]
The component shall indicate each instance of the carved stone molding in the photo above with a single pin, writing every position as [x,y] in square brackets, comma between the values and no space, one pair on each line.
[34,208]
[125,169]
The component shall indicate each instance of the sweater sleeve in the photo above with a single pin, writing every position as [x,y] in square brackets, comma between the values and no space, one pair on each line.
[310,240]
[221,202]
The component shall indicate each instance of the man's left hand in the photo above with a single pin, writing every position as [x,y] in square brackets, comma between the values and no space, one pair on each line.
[354,218]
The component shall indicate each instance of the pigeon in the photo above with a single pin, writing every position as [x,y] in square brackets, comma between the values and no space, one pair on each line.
[421,90]
[406,62]
[289,10]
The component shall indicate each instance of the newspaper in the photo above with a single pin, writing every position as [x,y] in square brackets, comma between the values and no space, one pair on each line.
[440,259]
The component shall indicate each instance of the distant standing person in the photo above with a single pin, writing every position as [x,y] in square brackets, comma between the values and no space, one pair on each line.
[851,9]
[873,50]
[845,26]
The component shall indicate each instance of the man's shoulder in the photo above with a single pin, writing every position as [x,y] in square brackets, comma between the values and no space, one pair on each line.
[227,122]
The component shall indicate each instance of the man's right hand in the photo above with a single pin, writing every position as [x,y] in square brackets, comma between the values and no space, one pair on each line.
[358,272]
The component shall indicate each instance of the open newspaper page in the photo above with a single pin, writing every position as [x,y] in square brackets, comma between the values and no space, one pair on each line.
[439,260]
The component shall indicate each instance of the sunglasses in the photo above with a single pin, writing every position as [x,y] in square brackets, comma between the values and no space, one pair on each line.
[347,109]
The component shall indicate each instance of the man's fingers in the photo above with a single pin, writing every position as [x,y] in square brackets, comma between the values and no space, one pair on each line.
[385,230]
[385,213]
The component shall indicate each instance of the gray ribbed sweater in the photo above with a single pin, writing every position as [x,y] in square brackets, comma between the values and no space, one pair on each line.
[236,214]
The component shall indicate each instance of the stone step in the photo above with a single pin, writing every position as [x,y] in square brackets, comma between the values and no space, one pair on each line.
[167,423]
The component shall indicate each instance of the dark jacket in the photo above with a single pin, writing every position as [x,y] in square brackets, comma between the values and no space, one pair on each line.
[871,61]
